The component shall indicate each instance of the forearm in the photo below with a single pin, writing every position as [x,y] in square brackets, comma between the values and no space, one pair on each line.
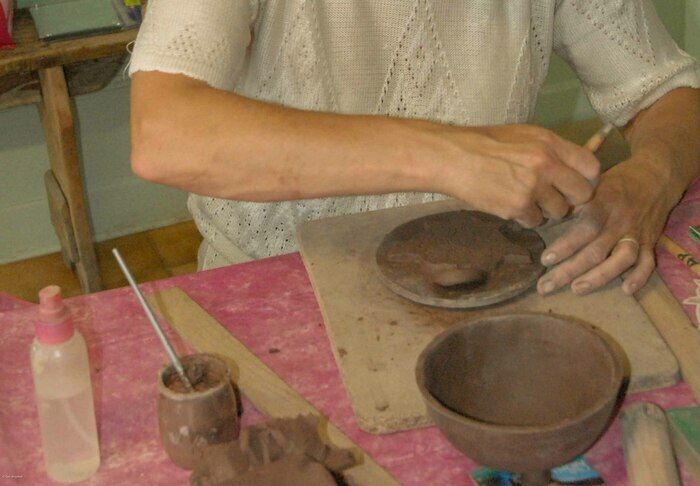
[666,138]
[216,143]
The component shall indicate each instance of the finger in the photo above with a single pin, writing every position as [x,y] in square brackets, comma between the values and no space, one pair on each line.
[552,203]
[578,158]
[531,217]
[572,185]
[639,275]
[582,232]
[587,258]
[623,256]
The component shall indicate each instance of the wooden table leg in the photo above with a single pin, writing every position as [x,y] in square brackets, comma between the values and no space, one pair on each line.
[73,231]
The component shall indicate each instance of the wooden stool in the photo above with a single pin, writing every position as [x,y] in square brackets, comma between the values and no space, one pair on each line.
[48,74]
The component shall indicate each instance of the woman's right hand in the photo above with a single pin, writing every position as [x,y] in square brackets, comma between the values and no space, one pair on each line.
[519,172]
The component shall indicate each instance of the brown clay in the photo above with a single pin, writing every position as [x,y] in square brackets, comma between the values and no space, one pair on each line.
[281,451]
[451,274]
[522,392]
[460,259]
[190,421]
[200,376]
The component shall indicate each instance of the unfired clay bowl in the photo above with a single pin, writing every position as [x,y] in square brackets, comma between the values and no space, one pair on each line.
[521,392]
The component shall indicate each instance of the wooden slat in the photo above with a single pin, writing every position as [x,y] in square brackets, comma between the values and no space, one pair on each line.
[268,392]
[675,328]
[647,445]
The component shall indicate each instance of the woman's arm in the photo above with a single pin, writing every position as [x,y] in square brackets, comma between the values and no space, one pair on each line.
[633,200]
[667,135]
[189,135]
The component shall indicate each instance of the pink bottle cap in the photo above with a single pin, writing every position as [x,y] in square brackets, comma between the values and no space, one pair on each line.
[54,324]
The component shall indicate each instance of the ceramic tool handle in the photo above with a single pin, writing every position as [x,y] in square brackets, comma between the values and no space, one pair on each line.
[647,445]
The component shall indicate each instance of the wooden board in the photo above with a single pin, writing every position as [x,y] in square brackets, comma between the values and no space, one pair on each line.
[256,381]
[376,335]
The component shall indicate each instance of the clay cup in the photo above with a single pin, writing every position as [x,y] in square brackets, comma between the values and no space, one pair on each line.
[191,421]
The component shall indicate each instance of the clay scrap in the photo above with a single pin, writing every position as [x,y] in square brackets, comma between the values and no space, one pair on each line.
[280,451]
[200,376]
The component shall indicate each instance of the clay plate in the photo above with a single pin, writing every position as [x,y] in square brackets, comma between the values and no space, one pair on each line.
[460,237]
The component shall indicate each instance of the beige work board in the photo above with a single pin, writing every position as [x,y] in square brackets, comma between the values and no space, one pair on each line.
[376,335]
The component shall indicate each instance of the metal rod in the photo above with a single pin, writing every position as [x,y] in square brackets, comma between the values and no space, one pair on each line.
[154,322]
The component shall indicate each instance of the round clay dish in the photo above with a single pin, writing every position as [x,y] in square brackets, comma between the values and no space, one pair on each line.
[521,392]
[509,253]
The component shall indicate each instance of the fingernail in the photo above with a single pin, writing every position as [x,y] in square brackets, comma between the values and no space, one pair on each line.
[631,288]
[549,258]
[582,287]
[547,287]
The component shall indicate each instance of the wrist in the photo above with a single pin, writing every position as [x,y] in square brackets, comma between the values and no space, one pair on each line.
[660,163]
[423,162]
[438,156]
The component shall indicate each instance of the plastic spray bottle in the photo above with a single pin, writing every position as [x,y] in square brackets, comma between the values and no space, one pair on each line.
[63,392]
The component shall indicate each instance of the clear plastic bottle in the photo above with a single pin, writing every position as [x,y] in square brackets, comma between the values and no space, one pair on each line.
[63,393]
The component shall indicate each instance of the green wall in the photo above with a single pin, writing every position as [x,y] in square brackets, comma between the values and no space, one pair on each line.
[561,99]
[692,27]
[121,204]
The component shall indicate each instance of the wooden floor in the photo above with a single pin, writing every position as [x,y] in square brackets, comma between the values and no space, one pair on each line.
[151,255]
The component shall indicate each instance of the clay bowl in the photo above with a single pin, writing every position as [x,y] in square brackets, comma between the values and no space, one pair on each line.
[190,422]
[521,392]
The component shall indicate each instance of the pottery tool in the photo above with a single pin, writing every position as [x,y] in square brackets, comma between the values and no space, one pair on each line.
[671,321]
[268,392]
[594,143]
[154,322]
[685,435]
[376,335]
[681,254]
[647,446]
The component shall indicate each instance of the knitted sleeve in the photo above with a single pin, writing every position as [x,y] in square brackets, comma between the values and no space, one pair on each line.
[203,39]
[622,53]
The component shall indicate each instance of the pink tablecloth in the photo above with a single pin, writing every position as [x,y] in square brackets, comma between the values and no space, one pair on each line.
[10,303]
[268,305]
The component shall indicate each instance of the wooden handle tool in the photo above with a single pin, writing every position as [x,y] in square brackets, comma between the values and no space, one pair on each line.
[680,253]
[647,445]
[594,143]
[675,328]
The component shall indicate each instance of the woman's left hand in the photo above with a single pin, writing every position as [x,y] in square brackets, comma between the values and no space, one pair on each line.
[614,232]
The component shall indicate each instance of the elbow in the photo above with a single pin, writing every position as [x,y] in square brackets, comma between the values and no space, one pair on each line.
[143,166]
[145,163]
[159,129]
[150,142]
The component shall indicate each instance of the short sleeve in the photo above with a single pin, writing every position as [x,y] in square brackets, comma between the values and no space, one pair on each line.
[623,55]
[203,39]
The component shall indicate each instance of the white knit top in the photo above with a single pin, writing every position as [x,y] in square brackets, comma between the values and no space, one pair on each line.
[466,62]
